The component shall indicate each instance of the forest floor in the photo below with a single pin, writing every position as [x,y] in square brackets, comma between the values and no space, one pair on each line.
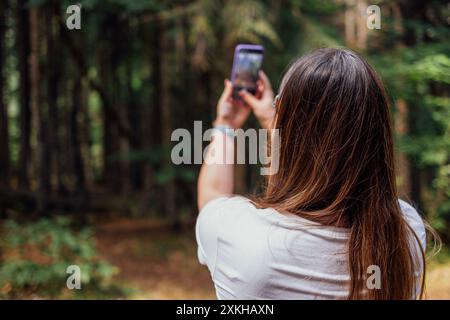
[154,263]
[157,264]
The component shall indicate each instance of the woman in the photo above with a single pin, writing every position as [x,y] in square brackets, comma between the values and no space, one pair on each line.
[329,224]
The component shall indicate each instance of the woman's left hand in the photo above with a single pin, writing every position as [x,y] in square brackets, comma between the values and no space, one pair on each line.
[231,112]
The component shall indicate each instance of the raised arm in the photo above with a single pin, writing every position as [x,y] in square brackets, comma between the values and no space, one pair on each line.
[216,177]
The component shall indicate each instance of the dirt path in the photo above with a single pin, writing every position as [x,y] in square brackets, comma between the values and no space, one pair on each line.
[156,263]
[438,281]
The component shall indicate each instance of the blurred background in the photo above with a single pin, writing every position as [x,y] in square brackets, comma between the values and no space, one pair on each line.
[86,117]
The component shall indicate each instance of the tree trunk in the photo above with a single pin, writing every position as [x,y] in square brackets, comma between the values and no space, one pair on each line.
[361,24]
[42,154]
[154,129]
[401,129]
[53,80]
[134,116]
[111,143]
[150,122]
[355,23]
[166,127]
[413,10]
[4,136]
[350,23]
[23,48]
[77,158]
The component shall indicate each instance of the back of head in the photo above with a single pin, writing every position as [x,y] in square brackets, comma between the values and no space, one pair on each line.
[336,165]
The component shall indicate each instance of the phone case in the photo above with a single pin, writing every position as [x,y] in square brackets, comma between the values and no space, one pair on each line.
[238,48]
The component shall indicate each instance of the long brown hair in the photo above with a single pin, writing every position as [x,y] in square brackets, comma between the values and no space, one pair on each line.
[336,167]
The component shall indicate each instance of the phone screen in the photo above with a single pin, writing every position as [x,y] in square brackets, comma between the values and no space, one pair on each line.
[247,67]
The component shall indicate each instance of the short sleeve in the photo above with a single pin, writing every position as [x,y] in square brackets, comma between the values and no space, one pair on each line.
[207,231]
[415,222]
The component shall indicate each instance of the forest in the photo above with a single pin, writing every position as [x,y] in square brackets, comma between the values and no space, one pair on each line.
[86,117]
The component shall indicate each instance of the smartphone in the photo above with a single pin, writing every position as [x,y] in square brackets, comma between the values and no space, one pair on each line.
[247,62]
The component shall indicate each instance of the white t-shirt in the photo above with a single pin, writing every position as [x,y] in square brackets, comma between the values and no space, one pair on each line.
[262,254]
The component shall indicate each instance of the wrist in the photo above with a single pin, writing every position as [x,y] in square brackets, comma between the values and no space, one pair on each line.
[220,121]
[224,129]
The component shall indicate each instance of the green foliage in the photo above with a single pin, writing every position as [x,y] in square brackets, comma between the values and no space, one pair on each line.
[35,257]
[428,75]
[165,175]
[246,21]
[421,76]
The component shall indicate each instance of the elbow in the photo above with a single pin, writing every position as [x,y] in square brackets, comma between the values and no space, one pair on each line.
[204,196]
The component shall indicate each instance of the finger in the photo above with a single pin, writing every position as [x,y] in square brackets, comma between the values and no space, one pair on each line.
[248,98]
[259,82]
[265,80]
[260,88]
[228,89]
[259,91]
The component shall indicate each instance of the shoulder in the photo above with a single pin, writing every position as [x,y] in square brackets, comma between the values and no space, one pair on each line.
[224,208]
[226,203]
[225,218]
[414,220]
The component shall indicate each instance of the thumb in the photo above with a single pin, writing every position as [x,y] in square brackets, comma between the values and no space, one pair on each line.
[248,98]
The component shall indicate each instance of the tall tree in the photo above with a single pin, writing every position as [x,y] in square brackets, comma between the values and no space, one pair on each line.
[54,69]
[4,135]
[23,47]
[166,126]
[401,130]
[107,55]
[134,116]
[355,24]
[75,142]
[39,109]
[413,13]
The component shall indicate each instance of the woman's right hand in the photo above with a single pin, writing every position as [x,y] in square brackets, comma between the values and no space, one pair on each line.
[262,102]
